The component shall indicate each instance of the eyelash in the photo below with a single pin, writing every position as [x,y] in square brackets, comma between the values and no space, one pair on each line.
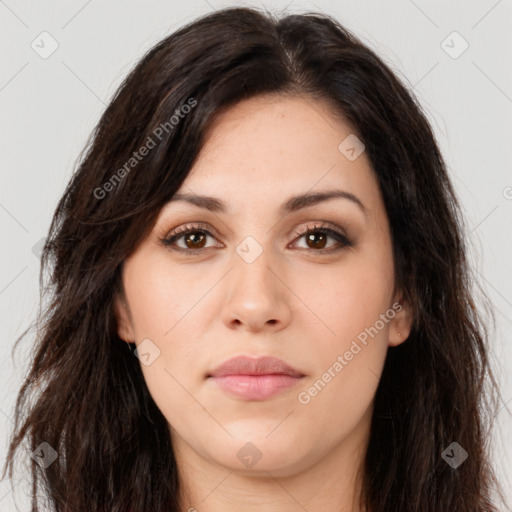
[343,241]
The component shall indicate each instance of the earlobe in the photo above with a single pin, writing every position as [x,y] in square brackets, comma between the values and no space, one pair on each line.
[123,319]
[401,324]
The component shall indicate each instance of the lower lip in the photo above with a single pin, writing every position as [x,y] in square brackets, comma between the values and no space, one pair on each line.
[256,387]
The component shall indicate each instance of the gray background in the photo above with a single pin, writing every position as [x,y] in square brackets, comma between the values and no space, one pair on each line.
[50,105]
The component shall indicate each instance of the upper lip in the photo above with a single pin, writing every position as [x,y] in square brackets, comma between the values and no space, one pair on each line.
[246,365]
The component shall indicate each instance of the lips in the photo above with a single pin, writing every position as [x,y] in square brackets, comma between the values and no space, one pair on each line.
[255,378]
[244,365]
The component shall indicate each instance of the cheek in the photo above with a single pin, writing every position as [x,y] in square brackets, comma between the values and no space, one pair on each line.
[348,298]
[348,364]
[166,309]
[161,298]
[351,340]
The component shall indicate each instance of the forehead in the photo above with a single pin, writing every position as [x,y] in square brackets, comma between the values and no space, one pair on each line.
[271,147]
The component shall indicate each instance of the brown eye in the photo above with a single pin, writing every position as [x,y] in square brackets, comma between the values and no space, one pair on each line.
[316,240]
[194,239]
[317,237]
[188,239]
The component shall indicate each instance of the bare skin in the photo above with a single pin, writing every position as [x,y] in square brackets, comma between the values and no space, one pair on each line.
[293,301]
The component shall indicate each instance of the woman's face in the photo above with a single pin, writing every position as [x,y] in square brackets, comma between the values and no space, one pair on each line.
[248,280]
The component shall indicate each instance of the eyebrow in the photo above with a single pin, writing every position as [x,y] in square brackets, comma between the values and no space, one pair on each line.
[292,204]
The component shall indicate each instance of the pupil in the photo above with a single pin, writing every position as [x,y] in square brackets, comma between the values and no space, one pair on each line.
[193,238]
[317,245]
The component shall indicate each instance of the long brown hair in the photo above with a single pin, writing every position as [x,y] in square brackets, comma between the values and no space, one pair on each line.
[85,394]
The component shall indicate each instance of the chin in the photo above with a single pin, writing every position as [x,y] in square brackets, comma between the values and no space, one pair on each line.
[252,451]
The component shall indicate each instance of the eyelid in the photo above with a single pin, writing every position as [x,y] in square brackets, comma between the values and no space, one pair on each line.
[189,226]
[319,225]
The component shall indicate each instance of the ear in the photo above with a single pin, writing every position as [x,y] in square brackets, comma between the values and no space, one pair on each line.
[401,324]
[123,318]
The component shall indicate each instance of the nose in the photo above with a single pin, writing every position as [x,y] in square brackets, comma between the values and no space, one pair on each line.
[257,296]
